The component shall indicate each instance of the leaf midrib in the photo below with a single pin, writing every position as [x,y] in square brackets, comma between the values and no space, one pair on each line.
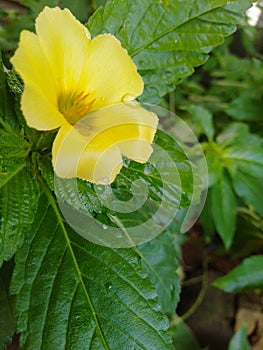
[161,35]
[61,223]
[118,223]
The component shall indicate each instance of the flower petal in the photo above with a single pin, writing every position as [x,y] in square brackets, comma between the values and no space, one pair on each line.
[100,163]
[67,150]
[77,155]
[138,150]
[64,41]
[120,124]
[39,99]
[126,127]
[112,75]
[92,148]
[38,110]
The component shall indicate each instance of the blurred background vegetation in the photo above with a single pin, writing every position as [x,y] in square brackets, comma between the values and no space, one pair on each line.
[223,103]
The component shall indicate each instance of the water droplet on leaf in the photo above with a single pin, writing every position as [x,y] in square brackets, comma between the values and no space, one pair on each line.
[119,234]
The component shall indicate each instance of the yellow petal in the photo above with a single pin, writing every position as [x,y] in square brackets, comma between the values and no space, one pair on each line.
[38,110]
[138,150]
[100,163]
[76,155]
[39,99]
[67,151]
[92,148]
[64,41]
[112,75]
[118,123]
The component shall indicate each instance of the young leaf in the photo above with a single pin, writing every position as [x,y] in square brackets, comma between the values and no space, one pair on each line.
[244,161]
[239,340]
[72,294]
[224,209]
[159,259]
[245,277]
[167,39]
[18,202]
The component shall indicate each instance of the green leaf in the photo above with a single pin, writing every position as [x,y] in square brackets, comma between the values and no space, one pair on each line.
[7,319]
[239,341]
[18,202]
[213,154]
[13,148]
[242,155]
[168,38]
[183,337]
[238,154]
[160,261]
[246,108]
[224,209]
[249,188]
[7,114]
[72,294]
[237,133]
[245,277]
[13,151]
[203,119]
[248,159]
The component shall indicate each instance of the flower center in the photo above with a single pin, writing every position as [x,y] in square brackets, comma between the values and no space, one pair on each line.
[74,105]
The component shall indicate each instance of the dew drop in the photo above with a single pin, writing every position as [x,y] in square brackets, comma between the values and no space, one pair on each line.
[128,98]
[119,234]
[158,307]
[108,285]
[134,104]
[104,181]
[175,41]
[126,24]
[100,188]
[148,169]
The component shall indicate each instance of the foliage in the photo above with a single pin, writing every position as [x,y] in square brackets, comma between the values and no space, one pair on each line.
[71,293]
[225,107]
[239,340]
[166,50]
[183,337]
[245,277]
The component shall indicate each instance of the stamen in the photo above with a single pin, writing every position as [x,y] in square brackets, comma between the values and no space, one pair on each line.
[74,106]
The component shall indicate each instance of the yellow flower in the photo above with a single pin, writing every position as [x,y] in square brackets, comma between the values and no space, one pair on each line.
[85,87]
